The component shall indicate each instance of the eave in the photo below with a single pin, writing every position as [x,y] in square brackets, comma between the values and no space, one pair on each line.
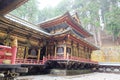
[8,5]
[66,18]
[19,29]
[25,24]
[70,34]
[83,42]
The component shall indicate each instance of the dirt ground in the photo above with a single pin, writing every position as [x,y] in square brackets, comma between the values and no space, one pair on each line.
[90,76]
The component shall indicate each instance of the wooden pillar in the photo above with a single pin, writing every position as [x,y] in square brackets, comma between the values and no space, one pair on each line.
[72,48]
[26,52]
[65,52]
[77,50]
[72,51]
[55,51]
[90,51]
[46,52]
[86,53]
[14,50]
[38,58]
[82,51]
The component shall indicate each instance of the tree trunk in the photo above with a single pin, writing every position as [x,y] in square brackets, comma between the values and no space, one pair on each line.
[94,35]
[99,37]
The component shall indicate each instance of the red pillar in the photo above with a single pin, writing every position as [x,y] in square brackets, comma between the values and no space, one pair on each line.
[14,52]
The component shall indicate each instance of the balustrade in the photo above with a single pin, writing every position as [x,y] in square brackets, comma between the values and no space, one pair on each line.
[70,58]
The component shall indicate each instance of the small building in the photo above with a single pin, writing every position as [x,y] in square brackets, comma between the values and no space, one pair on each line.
[67,40]
[67,37]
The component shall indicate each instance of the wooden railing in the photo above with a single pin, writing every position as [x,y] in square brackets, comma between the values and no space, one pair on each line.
[41,62]
[5,47]
[72,58]
[7,54]
[29,61]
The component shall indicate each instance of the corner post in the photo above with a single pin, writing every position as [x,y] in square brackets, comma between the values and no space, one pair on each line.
[14,50]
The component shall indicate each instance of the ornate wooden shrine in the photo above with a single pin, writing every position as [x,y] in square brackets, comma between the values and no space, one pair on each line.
[67,42]
[56,43]
[67,37]
[62,36]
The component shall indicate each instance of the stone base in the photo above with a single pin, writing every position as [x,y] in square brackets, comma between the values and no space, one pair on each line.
[58,72]
[77,72]
[68,72]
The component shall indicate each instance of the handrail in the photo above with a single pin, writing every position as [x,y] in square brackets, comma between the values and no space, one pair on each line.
[28,61]
[5,47]
[72,58]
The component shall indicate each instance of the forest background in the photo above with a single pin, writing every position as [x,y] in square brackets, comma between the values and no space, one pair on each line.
[100,17]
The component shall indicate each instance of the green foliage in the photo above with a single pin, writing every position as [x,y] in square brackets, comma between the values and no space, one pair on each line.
[49,12]
[28,11]
[88,11]
[91,13]
[45,14]
[113,21]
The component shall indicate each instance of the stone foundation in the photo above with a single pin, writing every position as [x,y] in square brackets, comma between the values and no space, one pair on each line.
[68,72]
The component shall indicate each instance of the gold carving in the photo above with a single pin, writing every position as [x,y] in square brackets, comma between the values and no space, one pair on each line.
[6,61]
[14,43]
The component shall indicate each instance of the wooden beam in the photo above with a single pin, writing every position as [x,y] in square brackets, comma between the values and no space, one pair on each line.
[11,6]
[65,52]
[38,58]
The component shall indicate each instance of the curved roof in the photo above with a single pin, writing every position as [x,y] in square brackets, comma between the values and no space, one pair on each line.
[76,38]
[26,24]
[67,18]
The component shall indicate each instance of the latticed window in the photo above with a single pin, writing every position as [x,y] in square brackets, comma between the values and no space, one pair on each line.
[33,52]
[68,50]
[60,50]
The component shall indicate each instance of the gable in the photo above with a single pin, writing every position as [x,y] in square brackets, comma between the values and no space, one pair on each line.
[71,21]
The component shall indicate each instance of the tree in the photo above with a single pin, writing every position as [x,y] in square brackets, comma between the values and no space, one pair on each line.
[50,12]
[28,11]
[88,13]
[45,13]
[93,14]
[112,20]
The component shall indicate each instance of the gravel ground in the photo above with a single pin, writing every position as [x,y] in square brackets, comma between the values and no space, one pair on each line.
[91,76]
